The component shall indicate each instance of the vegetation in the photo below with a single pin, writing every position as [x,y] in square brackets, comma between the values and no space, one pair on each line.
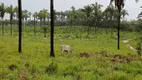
[35,63]
[90,31]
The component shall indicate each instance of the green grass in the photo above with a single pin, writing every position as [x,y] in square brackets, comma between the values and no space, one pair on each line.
[34,62]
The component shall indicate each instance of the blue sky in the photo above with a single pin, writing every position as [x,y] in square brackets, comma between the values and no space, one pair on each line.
[62,5]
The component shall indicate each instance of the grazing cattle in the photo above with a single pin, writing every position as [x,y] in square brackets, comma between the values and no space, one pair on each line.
[66,48]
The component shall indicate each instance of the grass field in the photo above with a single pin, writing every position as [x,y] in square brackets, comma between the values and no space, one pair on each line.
[102,60]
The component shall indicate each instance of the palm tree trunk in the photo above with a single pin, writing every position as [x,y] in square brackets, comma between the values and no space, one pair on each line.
[119,16]
[88,32]
[52,29]
[20,26]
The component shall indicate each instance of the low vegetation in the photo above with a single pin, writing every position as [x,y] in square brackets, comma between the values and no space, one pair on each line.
[85,44]
[93,58]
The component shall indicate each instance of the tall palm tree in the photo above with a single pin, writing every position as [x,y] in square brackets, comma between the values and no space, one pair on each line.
[10,10]
[52,29]
[119,4]
[2,11]
[20,26]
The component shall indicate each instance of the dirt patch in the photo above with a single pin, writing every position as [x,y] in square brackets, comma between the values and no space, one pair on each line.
[115,59]
[22,77]
[84,54]
[120,58]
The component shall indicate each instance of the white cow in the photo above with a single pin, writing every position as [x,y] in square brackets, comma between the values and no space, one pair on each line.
[66,48]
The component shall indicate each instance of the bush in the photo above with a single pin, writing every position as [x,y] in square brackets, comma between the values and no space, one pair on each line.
[139,47]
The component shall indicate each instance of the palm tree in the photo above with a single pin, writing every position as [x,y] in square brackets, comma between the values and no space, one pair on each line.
[72,15]
[110,18]
[20,26]
[35,17]
[119,4]
[52,29]
[43,14]
[140,16]
[69,15]
[25,16]
[16,12]
[124,12]
[40,17]
[88,11]
[10,10]
[29,14]
[2,11]
[106,15]
[97,14]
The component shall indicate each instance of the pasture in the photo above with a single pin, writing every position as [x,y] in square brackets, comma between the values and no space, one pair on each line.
[93,58]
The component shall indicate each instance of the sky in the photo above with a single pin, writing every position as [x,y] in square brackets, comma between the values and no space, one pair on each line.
[62,5]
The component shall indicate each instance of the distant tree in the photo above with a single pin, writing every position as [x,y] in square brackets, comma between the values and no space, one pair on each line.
[29,14]
[79,17]
[124,13]
[25,16]
[2,11]
[140,15]
[97,14]
[106,15]
[73,15]
[10,10]
[69,17]
[43,14]
[16,12]
[88,11]
[40,17]
[35,18]
[110,17]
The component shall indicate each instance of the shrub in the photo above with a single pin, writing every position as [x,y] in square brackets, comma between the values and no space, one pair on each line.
[139,47]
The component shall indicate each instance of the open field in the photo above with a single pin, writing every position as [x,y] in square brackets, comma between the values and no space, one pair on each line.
[100,59]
